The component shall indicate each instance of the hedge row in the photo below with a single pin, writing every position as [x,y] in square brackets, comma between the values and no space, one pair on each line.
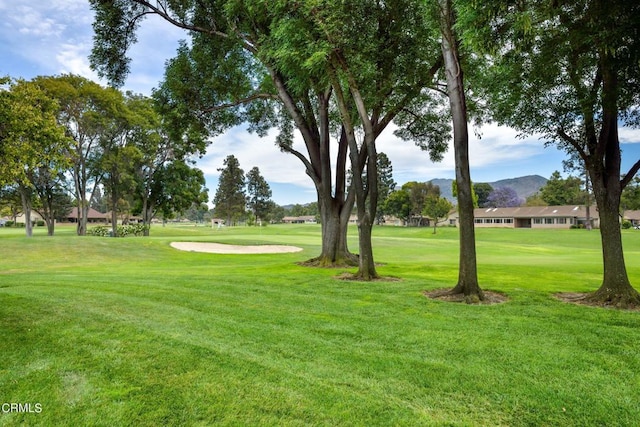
[123,230]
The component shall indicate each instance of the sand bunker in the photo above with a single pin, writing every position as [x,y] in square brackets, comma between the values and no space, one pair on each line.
[219,248]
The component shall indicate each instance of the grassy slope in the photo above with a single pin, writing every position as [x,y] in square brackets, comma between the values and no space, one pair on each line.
[132,332]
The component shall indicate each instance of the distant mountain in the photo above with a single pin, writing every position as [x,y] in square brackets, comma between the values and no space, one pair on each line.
[524,186]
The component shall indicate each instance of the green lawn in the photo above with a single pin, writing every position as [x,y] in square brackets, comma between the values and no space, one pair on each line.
[109,332]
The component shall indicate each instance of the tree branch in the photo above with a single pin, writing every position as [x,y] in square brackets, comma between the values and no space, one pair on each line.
[242,102]
[629,175]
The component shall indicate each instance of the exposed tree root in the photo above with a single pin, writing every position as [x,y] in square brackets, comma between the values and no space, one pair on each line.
[488,297]
[629,300]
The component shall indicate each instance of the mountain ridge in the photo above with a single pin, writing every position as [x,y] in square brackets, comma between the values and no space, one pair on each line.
[524,186]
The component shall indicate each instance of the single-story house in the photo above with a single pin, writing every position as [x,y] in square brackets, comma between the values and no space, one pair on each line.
[305,219]
[35,216]
[124,218]
[632,216]
[535,217]
[93,216]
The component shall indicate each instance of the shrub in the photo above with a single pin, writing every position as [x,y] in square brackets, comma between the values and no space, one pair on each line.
[8,224]
[40,223]
[123,230]
[626,224]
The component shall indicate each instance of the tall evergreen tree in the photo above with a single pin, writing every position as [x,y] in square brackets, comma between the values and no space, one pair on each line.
[258,195]
[386,184]
[230,199]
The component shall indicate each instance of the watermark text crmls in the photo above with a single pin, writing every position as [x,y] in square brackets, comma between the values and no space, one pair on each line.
[20,408]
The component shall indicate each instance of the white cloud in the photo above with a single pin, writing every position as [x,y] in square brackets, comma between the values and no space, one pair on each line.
[629,135]
[72,59]
[251,150]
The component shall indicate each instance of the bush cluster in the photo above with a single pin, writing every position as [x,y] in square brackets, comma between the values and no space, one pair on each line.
[123,230]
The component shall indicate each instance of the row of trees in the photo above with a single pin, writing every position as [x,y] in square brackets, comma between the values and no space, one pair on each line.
[68,135]
[565,70]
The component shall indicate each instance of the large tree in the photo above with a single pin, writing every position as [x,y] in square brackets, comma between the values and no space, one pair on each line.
[230,199]
[32,144]
[237,69]
[88,112]
[165,144]
[282,63]
[173,188]
[379,56]
[258,195]
[455,67]
[569,71]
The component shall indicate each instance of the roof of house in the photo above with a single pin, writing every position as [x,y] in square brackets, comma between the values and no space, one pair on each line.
[91,214]
[632,215]
[535,212]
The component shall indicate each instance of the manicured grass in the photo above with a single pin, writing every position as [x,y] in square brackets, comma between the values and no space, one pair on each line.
[129,331]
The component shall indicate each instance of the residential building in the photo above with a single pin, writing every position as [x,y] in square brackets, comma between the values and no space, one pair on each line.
[536,217]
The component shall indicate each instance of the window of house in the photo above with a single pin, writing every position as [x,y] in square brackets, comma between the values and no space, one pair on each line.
[562,220]
[537,220]
[549,220]
[508,220]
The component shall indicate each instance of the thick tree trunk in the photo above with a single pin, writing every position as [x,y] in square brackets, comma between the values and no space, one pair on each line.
[467,274]
[334,215]
[604,169]
[49,217]
[366,202]
[366,264]
[616,289]
[82,220]
[51,225]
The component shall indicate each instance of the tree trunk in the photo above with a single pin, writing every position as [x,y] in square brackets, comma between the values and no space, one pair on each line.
[82,220]
[49,215]
[51,225]
[604,169]
[146,216]
[366,202]
[25,195]
[334,215]
[616,288]
[366,264]
[467,273]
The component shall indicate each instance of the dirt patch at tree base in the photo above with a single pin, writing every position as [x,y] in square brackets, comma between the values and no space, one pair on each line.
[317,262]
[490,297]
[582,298]
[356,278]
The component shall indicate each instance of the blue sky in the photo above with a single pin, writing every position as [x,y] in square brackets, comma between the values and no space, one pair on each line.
[55,36]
